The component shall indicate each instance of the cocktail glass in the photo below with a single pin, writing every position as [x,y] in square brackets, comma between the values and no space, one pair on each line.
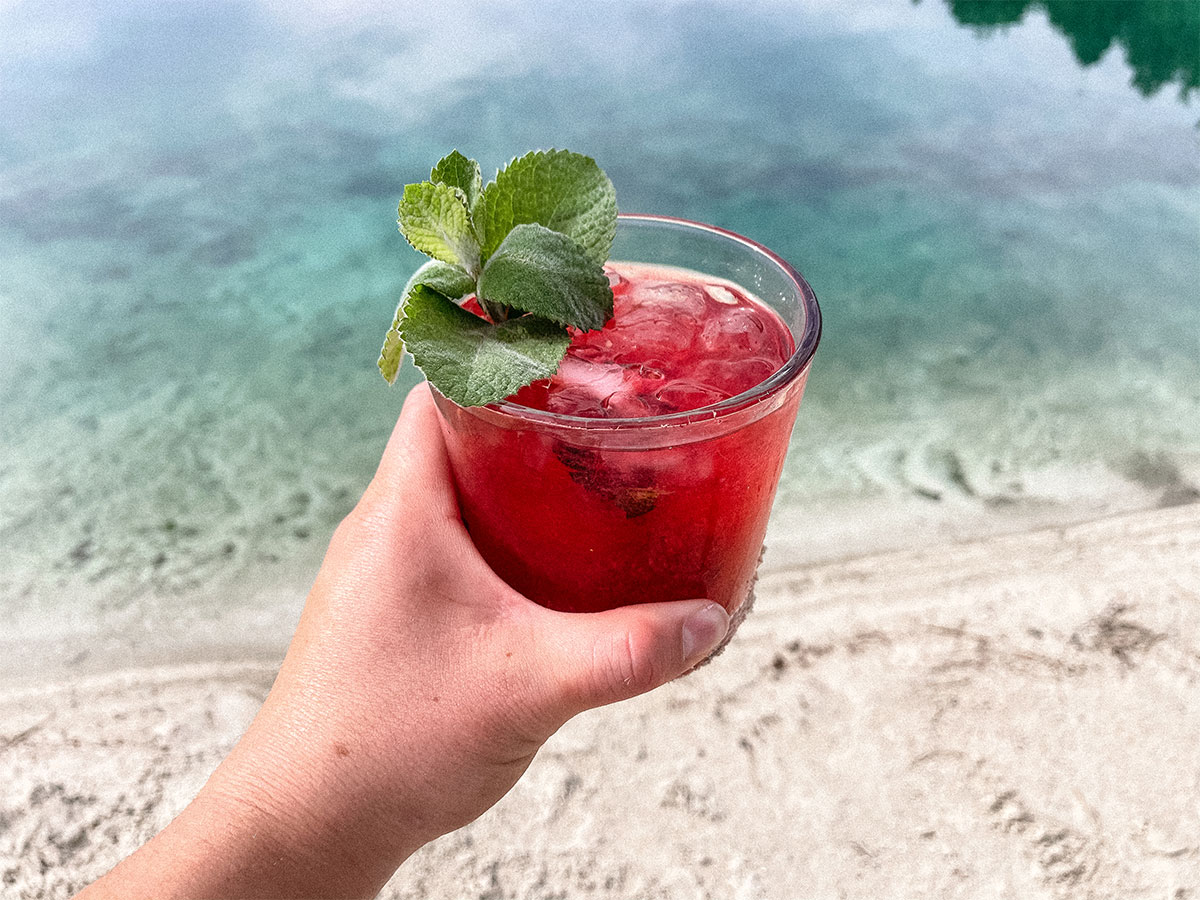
[583,514]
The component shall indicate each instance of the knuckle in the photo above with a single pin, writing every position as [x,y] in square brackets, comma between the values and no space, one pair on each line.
[358,524]
[371,525]
[629,665]
[372,513]
[345,534]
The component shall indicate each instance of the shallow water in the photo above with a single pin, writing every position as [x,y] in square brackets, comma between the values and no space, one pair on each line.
[198,261]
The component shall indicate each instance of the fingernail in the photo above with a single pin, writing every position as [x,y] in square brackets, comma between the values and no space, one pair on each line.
[702,631]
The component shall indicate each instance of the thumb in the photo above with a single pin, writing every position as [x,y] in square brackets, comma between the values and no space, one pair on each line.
[598,658]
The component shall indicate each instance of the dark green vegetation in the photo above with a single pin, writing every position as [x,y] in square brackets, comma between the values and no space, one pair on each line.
[1161,37]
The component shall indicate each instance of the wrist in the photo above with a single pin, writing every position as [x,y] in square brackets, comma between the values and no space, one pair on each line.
[307,802]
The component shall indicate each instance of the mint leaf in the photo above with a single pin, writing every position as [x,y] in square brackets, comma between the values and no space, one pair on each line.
[546,273]
[448,280]
[457,171]
[472,362]
[434,220]
[392,354]
[564,191]
[443,278]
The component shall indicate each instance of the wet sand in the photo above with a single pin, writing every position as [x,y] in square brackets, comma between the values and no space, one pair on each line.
[1009,717]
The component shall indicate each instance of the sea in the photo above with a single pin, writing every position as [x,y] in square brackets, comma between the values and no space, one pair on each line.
[996,203]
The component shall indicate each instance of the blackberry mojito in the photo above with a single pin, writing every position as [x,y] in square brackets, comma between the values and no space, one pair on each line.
[644,468]
[616,429]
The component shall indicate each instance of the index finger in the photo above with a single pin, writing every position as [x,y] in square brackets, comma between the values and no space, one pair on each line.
[415,468]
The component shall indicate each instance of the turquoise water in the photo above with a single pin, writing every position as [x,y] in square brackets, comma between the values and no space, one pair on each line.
[997,206]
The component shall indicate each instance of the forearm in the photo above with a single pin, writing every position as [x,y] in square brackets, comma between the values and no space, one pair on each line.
[277,819]
[219,849]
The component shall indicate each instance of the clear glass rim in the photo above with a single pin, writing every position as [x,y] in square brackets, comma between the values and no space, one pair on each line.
[797,363]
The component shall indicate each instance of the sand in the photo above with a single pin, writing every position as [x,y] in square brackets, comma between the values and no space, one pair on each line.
[1015,716]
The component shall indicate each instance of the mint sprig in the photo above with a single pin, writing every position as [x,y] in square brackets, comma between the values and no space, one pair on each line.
[530,246]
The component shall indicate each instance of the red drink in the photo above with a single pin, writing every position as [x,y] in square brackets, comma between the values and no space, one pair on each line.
[645,468]
[677,341]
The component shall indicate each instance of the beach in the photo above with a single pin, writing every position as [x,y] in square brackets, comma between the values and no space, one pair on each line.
[971,670]
[1011,716]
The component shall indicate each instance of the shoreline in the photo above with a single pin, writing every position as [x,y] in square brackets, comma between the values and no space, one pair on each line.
[250,609]
[999,717]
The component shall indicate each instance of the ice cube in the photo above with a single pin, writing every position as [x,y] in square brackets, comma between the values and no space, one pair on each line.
[734,375]
[683,395]
[739,330]
[670,300]
[581,387]
[659,320]
[627,404]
